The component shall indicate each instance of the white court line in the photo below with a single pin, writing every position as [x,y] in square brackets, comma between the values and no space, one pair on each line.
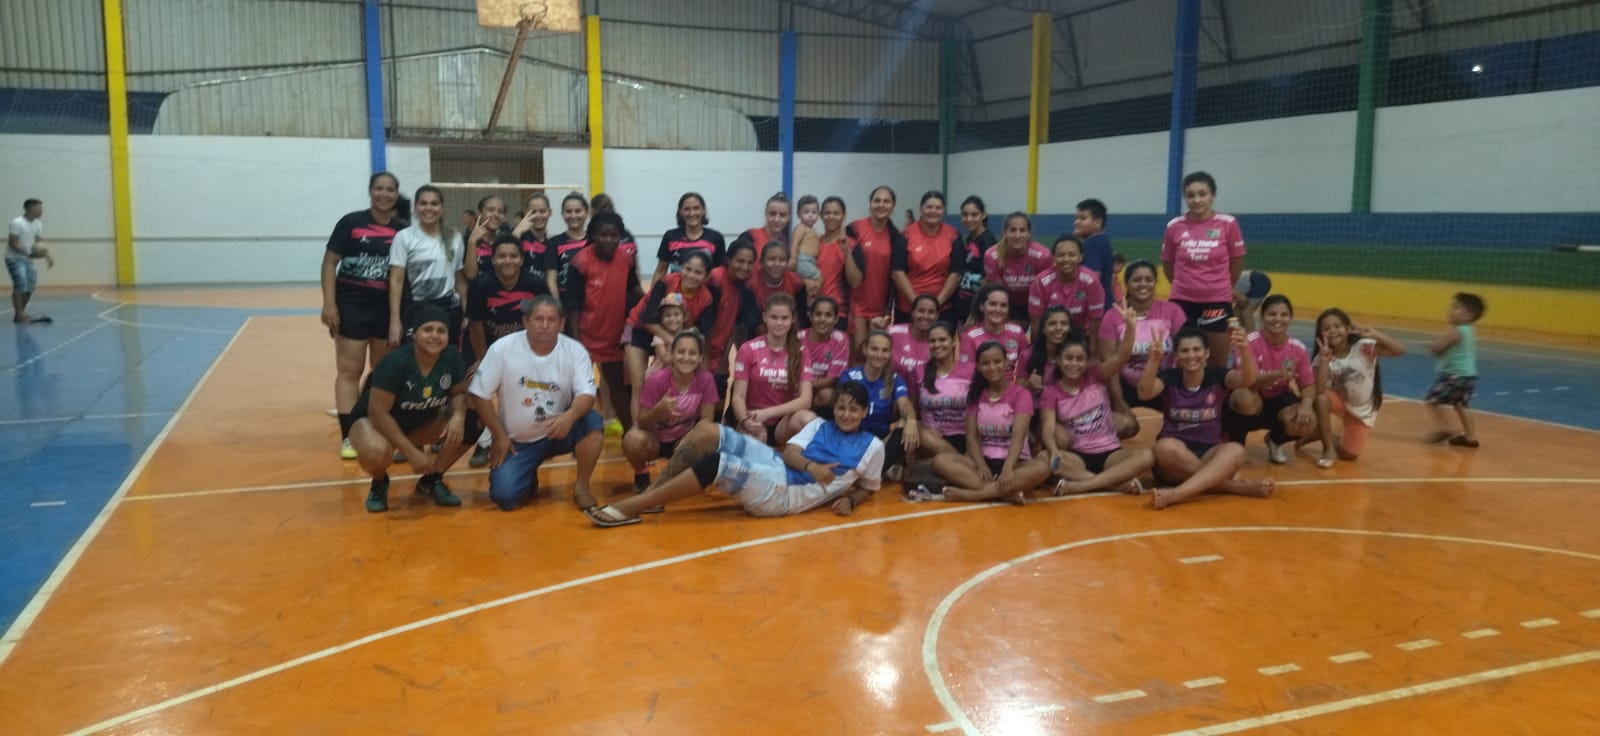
[41,356]
[1539,623]
[38,504]
[537,592]
[1278,669]
[180,328]
[1476,410]
[24,620]
[1349,657]
[1204,682]
[1592,613]
[930,637]
[85,417]
[344,482]
[1119,697]
[1412,646]
[1200,559]
[1480,633]
[1336,706]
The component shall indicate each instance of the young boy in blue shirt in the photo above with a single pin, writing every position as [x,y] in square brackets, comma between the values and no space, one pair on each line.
[1455,359]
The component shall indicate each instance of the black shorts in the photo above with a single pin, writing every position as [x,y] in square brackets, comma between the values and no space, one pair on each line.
[1237,426]
[995,465]
[668,448]
[642,338]
[1130,396]
[1094,461]
[362,319]
[1208,316]
[957,441]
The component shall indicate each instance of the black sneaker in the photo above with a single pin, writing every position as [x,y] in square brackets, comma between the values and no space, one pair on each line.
[434,488]
[378,496]
[480,457]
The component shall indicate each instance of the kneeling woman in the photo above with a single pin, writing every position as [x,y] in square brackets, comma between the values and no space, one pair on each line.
[671,402]
[831,462]
[416,396]
[997,463]
[1190,450]
[1078,429]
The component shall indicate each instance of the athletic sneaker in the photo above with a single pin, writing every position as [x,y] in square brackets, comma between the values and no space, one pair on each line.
[480,457]
[434,488]
[378,496]
[1275,453]
[613,428]
[346,451]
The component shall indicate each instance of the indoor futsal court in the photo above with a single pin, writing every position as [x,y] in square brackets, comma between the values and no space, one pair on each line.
[183,550]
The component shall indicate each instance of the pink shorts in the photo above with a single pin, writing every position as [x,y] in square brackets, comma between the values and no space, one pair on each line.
[1355,430]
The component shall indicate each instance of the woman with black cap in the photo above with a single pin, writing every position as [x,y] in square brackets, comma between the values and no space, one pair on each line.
[416,396]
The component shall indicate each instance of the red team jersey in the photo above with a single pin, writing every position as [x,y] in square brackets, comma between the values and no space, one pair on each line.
[872,254]
[608,288]
[928,260]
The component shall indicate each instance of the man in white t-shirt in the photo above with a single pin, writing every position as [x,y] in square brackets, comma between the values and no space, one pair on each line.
[22,248]
[545,381]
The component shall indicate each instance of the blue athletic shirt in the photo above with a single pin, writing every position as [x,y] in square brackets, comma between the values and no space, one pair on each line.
[880,397]
[858,456]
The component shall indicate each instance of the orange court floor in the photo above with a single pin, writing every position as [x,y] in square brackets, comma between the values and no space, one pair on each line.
[236,585]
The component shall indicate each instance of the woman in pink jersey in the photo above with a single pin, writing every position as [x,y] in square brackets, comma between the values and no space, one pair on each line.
[867,269]
[1156,317]
[928,260]
[771,397]
[941,390]
[827,353]
[1071,286]
[1016,262]
[1283,399]
[991,315]
[1202,255]
[671,402]
[911,340]
[1191,451]
[997,463]
[1077,426]
[1038,369]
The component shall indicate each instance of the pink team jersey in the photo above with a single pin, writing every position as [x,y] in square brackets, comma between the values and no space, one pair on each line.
[1199,253]
[1018,273]
[1083,296]
[829,358]
[767,372]
[1290,357]
[1163,316]
[1013,338]
[995,417]
[945,412]
[1086,413]
[702,391]
[909,354]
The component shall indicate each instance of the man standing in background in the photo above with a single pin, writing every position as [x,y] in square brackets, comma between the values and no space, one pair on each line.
[22,247]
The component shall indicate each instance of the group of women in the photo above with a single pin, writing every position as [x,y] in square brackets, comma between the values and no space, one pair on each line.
[990,365]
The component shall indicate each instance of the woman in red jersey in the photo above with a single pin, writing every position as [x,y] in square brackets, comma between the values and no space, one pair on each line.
[607,273]
[776,229]
[928,260]
[868,268]
[775,277]
[833,250]
[644,322]
[737,312]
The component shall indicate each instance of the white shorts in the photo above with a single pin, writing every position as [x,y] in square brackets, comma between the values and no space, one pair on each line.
[754,475]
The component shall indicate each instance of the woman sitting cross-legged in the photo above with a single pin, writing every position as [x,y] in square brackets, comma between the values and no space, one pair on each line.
[830,462]
[1190,450]
[1078,429]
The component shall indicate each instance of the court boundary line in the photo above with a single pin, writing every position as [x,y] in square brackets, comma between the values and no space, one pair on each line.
[1475,410]
[503,601]
[1426,688]
[688,557]
[81,418]
[930,639]
[19,627]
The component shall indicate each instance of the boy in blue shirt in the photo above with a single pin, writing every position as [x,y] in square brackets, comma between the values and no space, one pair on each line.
[1090,227]
[1455,360]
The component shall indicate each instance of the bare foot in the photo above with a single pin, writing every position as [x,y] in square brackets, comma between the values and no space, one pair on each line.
[1262,488]
[1161,498]
[1017,499]
[583,499]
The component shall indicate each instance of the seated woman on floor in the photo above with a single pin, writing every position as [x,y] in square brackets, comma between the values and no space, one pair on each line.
[828,462]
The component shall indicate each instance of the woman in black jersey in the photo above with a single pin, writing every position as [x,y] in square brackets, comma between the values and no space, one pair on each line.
[355,292]
[558,255]
[690,236]
[490,223]
[532,227]
[978,239]
[495,298]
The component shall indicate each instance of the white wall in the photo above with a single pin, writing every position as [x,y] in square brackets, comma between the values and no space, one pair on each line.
[1300,164]
[68,172]
[1127,172]
[1527,153]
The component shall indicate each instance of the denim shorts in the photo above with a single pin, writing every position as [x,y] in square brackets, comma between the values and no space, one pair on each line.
[23,274]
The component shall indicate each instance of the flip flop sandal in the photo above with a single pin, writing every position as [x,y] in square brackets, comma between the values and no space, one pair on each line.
[1460,441]
[607,517]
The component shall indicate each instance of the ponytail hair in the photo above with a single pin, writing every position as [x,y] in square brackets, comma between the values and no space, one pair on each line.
[930,370]
[979,383]
[894,232]
[446,235]
[791,341]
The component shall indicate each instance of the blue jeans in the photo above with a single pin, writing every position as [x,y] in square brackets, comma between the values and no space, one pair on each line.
[511,484]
